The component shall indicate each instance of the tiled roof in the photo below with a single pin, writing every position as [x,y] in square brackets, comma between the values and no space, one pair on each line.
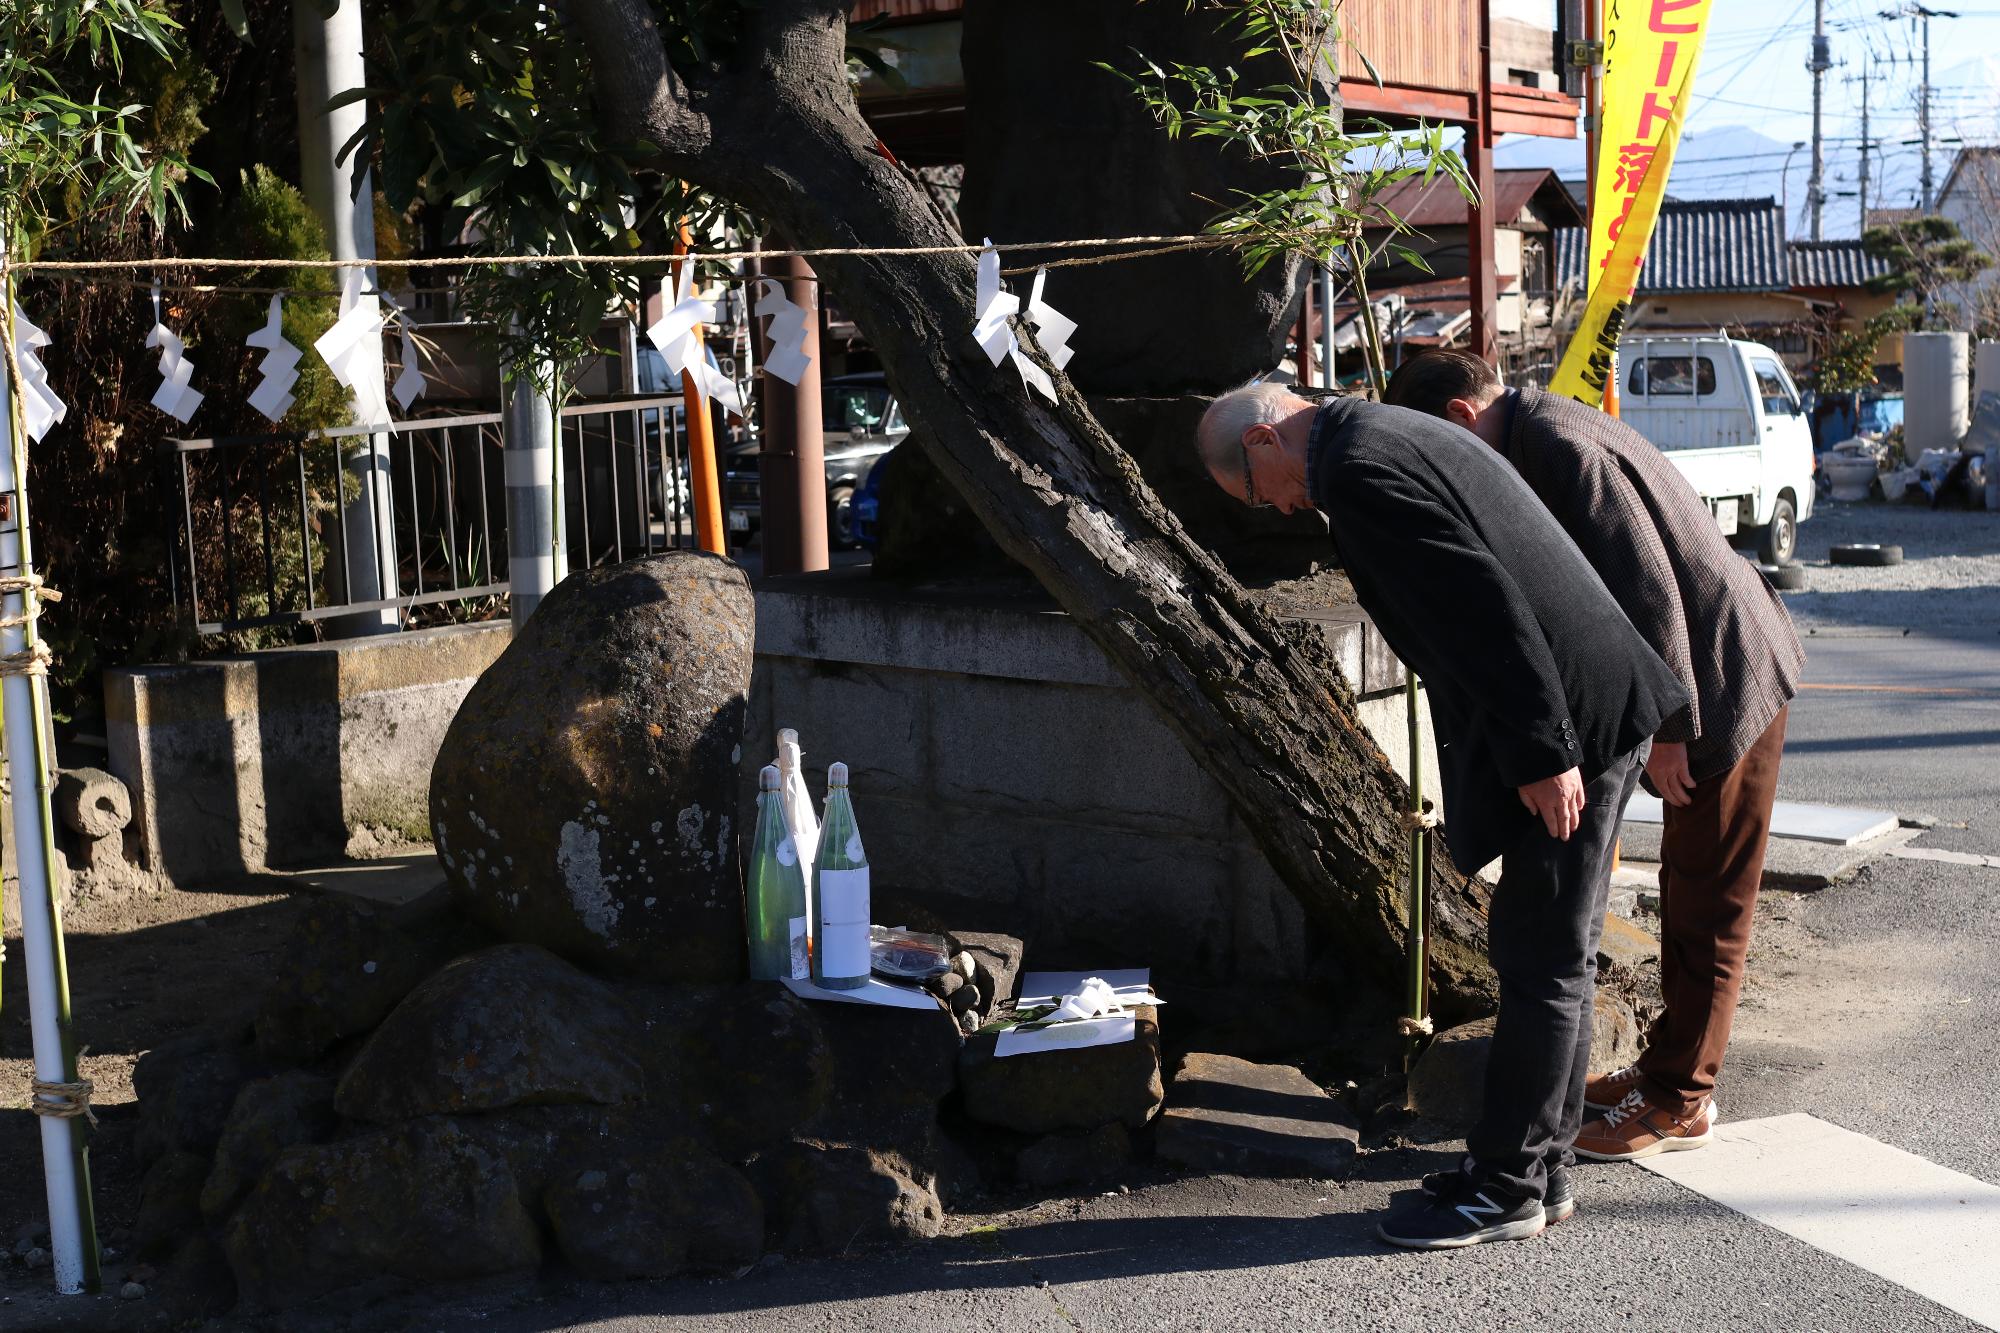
[1700,245]
[1833,264]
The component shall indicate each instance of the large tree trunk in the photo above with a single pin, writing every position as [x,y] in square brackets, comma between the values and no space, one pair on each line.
[1261,706]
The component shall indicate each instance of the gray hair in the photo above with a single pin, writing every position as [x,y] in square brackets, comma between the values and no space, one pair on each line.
[1220,435]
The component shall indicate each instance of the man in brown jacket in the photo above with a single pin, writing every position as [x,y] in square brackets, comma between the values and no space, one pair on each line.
[1715,621]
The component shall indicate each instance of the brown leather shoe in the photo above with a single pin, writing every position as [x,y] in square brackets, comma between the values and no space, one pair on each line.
[1601,1092]
[1637,1128]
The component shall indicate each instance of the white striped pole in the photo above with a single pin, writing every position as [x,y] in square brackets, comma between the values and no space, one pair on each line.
[531,469]
[23,705]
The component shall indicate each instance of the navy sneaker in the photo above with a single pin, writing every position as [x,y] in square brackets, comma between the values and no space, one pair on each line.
[1558,1204]
[1464,1214]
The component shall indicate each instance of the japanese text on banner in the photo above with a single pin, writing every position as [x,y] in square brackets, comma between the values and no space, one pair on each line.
[1650,51]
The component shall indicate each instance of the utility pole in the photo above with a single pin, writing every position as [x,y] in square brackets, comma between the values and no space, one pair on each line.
[1819,64]
[1864,151]
[1911,9]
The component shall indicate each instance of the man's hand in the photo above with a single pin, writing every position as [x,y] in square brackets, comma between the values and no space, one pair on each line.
[1667,766]
[1557,801]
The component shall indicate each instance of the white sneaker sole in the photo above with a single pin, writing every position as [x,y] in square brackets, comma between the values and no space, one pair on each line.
[1651,1150]
[1525,1229]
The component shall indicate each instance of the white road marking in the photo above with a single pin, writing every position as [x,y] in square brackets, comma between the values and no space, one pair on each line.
[1950,858]
[1930,1230]
[1839,825]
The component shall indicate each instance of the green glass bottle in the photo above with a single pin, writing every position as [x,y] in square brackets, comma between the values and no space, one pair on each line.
[774,899]
[840,957]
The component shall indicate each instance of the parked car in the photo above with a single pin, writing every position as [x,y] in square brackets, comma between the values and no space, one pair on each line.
[860,421]
[1727,414]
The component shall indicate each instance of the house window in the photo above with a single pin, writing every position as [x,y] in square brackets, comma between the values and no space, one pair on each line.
[1665,376]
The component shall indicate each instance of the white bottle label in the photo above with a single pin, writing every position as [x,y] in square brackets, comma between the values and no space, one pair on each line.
[788,854]
[843,915]
[801,953]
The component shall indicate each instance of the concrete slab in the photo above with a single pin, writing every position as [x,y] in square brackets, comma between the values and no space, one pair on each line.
[1789,863]
[1931,1230]
[1838,825]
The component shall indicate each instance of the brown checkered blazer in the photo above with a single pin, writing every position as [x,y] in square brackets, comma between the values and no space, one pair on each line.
[1653,541]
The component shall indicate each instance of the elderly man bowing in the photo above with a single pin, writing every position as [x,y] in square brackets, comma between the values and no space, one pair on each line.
[1542,698]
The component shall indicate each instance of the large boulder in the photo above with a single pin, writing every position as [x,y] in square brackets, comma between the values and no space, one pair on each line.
[584,798]
[349,966]
[1047,1092]
[508,1026]
[186,1087]
[830,1198]
[424,1201]
[758,1066]
[269,1116]
[616,1215]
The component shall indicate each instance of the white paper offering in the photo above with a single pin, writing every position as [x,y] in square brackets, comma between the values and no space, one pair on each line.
[674,334]
[787,360]
[410,383]
[175,396]
[352,349]
[994,332]
[39,405]
[280,366]
[1108,995]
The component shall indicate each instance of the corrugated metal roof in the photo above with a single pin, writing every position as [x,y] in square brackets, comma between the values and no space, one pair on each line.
[1701,245]
[1833,264]
[1438,203]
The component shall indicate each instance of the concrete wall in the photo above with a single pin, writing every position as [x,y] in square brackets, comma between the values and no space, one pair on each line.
[1006,778]
[291,756]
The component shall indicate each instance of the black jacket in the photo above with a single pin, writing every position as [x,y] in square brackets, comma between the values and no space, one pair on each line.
[1530,666]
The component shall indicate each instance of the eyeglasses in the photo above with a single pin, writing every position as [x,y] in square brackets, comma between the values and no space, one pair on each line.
[1249,480]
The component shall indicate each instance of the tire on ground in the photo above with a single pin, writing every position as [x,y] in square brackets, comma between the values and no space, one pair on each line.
[1785,578]
[1866,553]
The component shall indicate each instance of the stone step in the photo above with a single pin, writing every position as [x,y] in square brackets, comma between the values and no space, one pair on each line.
[1230,1115]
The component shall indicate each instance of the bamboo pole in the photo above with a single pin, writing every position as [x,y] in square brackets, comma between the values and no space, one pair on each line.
[704,476]
[24,713]
[1417,945]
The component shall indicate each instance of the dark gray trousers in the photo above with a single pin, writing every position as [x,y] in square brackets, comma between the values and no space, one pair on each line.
[1542,935]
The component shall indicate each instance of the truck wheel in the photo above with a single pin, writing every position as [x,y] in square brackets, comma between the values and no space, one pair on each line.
[1865,553]
[1785,578]
[840,517]
[1779,539]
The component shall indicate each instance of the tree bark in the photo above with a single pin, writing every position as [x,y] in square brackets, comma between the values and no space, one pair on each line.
[1262,706]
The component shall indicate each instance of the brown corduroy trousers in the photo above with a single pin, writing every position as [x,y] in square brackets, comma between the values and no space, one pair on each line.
[1712,858]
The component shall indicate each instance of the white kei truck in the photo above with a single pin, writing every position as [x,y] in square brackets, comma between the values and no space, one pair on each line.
[1725,412]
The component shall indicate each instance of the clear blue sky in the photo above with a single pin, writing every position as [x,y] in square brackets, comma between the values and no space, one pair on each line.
[1753,100]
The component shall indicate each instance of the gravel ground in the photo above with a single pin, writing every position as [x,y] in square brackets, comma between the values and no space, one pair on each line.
[1948,583]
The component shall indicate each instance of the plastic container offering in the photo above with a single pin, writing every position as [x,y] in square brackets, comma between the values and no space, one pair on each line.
[907,955]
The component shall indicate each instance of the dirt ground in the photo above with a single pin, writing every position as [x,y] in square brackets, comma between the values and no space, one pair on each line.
[144,968]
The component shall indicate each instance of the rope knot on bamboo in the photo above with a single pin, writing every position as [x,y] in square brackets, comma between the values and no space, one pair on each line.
[27,582]
[1415,1027]
[1420,821]
[62,1101]
[30,661]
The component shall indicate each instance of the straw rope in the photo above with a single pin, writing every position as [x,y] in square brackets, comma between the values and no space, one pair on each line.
[63,1101]
[1420,821]
[1415,1027]
[30,661]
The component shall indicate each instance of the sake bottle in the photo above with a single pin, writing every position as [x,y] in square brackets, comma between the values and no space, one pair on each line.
[798,805]
[840,957]
[774,900]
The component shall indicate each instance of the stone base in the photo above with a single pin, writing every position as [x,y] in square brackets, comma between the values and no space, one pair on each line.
[1229,1115]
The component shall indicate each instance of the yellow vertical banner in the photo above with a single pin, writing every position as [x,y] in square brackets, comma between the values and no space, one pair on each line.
[1650,51]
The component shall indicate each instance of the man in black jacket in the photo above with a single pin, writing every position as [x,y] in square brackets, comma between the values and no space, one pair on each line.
[1542,698]
[1714,764]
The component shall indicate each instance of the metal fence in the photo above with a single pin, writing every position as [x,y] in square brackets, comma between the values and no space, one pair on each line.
[273,524]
